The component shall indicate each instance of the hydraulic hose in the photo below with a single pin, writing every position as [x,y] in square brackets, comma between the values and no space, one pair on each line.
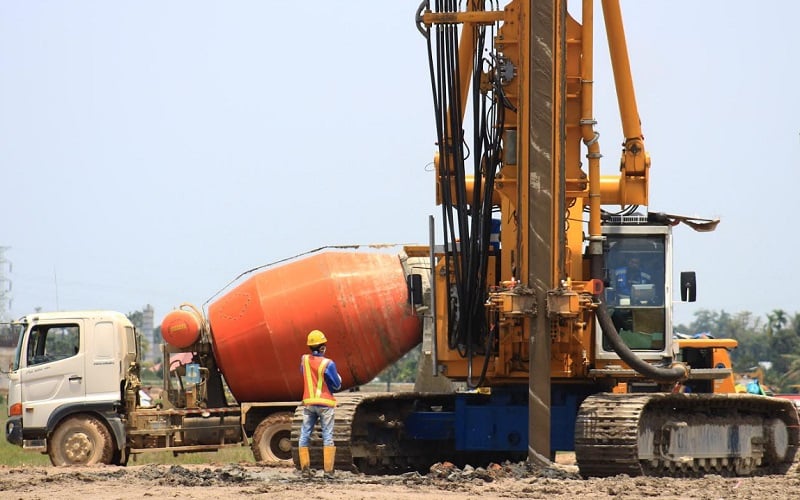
[665,374]
[673,373]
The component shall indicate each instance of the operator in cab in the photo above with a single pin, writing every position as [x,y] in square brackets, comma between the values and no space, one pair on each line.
[320,381]
[631,274]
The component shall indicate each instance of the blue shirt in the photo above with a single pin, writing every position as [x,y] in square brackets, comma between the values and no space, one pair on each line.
[332,377]
[623,282]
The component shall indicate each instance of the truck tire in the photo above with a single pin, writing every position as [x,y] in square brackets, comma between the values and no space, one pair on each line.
[272,440]
[80,440]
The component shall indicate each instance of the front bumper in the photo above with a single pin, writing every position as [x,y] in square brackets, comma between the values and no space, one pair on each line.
[14,430]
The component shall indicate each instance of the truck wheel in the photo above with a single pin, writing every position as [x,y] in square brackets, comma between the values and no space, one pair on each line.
[80,440]
[272,440]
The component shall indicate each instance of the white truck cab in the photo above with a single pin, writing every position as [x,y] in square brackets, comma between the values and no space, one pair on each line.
[67,384]
[74,393]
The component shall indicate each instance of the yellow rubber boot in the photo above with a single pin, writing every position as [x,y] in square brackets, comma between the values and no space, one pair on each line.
[305,461]
[328,457]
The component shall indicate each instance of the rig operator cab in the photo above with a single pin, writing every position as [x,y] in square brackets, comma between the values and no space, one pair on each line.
[638,286]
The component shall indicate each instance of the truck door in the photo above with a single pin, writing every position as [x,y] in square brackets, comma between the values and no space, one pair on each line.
[51,370]
[104,368]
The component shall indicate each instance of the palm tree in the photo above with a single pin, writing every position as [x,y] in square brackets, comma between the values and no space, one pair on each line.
[776,321]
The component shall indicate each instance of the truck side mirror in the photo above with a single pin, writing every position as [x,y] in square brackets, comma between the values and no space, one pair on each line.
[414,283]
[688,286]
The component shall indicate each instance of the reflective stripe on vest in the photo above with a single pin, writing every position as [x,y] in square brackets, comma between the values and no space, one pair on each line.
[316,390]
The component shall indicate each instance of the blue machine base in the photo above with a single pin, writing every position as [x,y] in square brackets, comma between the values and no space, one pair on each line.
[499,421]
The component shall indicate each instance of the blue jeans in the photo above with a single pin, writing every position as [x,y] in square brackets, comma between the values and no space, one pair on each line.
[310,416]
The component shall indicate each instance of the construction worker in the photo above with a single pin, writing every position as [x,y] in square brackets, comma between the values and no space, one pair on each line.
[628,275]
[320,381]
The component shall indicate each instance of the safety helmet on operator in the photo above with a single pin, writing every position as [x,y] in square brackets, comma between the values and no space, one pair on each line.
[316,337]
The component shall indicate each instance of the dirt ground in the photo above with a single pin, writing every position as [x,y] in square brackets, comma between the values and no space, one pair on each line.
[506,481]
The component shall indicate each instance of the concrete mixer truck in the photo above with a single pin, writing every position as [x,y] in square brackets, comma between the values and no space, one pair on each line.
[74,390]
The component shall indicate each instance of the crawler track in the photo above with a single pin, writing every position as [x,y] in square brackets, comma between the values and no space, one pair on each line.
[654,434]
[685,435]
[371,434]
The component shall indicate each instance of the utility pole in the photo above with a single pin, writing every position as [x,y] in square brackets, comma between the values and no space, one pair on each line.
[5,284]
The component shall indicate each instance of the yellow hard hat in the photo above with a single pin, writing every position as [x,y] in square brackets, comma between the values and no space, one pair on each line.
[316,337]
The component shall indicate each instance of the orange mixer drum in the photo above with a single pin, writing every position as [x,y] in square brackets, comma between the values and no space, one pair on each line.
[358,300]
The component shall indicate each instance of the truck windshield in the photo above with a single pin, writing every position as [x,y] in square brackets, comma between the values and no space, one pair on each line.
[13,334]
[636,289]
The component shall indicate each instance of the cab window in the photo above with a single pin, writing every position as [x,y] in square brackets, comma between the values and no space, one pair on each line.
[48,343]
[635,290]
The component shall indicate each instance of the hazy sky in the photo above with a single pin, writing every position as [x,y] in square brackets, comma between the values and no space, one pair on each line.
[151,151]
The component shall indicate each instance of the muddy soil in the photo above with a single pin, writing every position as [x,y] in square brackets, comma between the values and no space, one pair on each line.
[217,481]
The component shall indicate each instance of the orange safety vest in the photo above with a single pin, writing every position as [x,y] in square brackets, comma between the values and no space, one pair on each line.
[315,390]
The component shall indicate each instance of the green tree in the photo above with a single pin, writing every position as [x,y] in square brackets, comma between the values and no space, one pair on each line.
[776,321]
[404,370]
[790,380]
[781,344]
